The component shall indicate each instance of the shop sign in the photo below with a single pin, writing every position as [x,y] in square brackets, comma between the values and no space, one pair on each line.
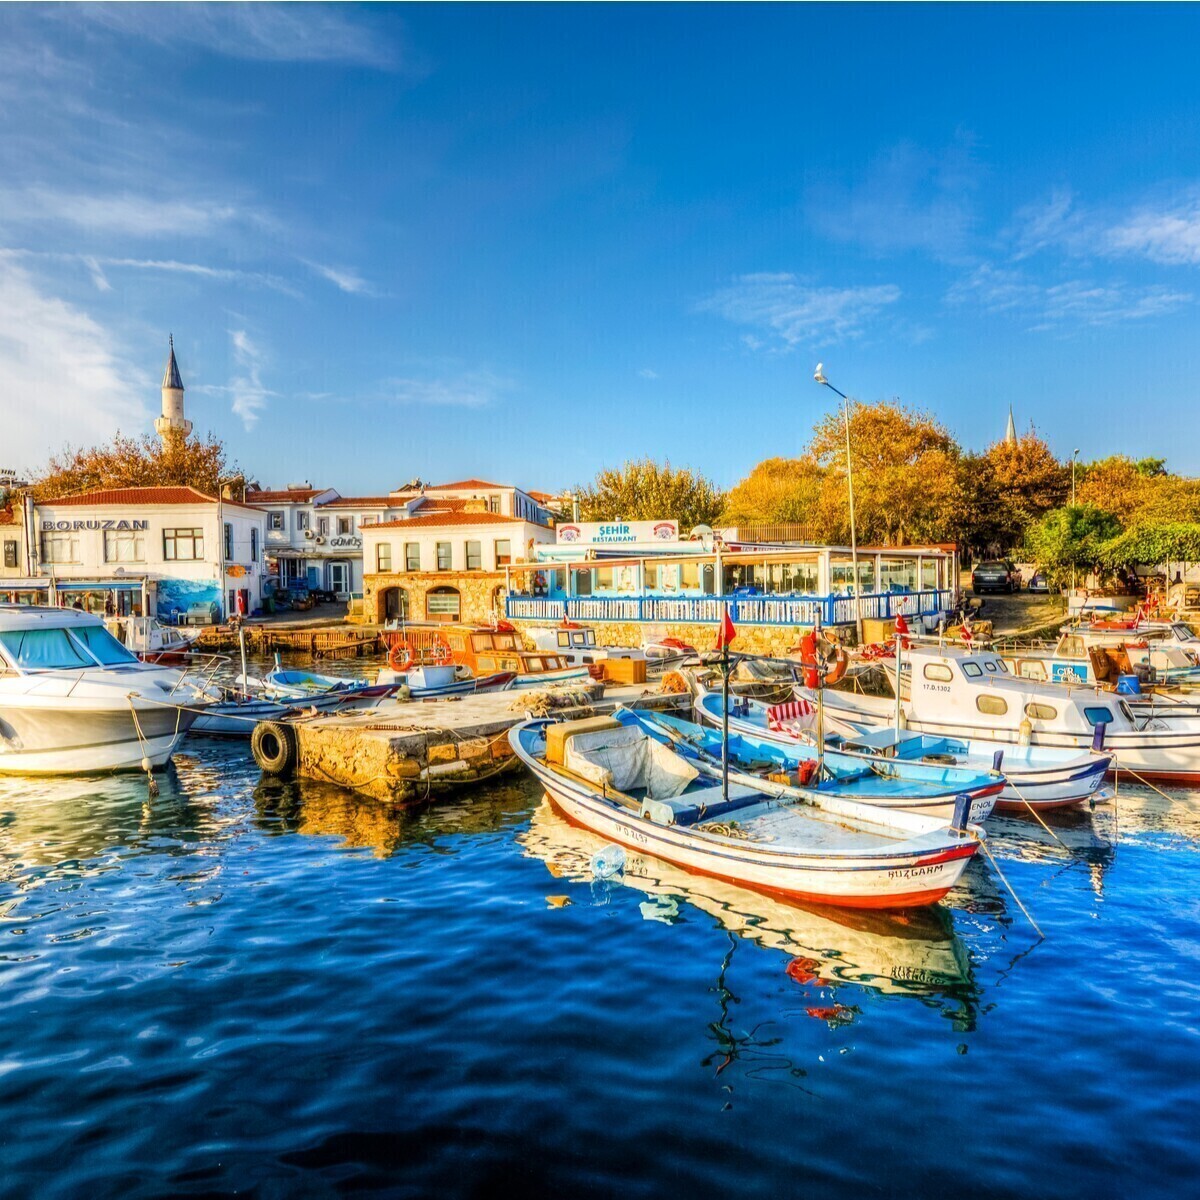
[107,523]
[344,542]
[617,533]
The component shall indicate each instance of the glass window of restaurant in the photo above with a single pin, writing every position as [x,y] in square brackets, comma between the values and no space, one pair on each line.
[898,574]
[689,577]
[604,580]
[841,575]
[583,582]
[929,574]
[789,578]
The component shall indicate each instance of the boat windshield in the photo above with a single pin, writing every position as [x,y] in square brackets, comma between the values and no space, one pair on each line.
[44,650]
[103,645]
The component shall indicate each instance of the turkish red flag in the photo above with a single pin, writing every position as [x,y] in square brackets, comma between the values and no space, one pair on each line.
[726,633]
[902,628]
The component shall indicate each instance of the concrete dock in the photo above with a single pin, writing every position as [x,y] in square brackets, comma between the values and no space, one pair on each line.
[404,751]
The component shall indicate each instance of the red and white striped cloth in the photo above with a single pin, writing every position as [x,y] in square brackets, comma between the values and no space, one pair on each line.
[790,717]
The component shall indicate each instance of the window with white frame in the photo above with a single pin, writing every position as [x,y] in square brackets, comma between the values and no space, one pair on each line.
[322,525]
[124,546]
[383,556]
[443,556]
[183,545]
[304,520]
[503,551]
[60,548]
[494,504]
[474,556]
[412,556]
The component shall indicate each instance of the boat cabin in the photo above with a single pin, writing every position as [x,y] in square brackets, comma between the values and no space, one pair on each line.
[577,644]
[490,649]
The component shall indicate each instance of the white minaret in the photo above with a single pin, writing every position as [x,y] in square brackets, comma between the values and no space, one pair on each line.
[1010,434]
[172,419]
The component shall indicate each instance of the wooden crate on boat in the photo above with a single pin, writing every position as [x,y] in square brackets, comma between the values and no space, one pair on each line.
[625,670]
[557,735]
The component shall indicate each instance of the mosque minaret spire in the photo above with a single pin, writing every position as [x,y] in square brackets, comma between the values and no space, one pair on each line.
[172,419]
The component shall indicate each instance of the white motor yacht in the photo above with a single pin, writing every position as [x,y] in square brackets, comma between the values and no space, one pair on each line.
[74,701]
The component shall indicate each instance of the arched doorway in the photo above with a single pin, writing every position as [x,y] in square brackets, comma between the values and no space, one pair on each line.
[443,604]
[393,604]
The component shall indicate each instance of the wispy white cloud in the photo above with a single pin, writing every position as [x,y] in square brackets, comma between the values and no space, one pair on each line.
[468,389]
[647,373]
[249,394]
[60,376]
[124,213]
[796,311]
[344,278]
[1164,231]
[274,32]
[908,198]
[1072,302]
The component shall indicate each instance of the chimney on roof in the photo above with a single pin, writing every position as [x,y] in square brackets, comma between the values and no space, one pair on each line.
[172,419]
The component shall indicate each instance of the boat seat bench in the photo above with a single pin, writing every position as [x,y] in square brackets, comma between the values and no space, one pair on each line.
[701,804]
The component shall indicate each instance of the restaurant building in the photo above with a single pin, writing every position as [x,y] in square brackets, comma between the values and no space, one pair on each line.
[640,580]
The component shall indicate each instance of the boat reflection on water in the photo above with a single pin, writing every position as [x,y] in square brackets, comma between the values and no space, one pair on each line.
[910,953]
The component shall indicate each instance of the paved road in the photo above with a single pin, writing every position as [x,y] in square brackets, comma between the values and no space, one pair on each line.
[1020,612]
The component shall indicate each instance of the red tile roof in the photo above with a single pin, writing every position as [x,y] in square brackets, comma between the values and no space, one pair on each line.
[141,495]
[361,502]
[286,495]
[540,496]
[465,483]
[449,519]
[435,504]
[7,516]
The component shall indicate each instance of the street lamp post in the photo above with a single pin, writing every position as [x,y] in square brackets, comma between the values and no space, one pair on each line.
[1074,458]
[819,376]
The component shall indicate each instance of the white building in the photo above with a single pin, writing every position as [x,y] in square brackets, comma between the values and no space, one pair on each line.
[316,535]
[173,546]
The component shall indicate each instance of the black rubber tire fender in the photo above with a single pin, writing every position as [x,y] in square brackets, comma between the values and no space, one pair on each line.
[273,744]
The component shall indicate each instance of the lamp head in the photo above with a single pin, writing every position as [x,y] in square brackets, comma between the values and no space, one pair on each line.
[819,374]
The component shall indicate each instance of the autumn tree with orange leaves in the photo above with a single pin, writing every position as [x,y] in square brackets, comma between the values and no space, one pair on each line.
[145,461]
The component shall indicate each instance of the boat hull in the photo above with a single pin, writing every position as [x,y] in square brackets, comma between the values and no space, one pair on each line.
[83,739]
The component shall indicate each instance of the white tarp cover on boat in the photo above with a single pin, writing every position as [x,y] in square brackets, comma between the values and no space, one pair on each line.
[626,758]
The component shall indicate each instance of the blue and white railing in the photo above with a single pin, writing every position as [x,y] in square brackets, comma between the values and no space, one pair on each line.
[745,610]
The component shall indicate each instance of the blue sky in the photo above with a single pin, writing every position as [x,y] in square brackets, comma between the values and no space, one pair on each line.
[529,242]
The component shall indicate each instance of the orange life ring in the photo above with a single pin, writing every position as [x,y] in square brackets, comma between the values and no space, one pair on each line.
[400,656]
[840,662]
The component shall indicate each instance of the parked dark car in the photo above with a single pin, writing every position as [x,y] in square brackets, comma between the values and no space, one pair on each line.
[1038,582]
[994,576]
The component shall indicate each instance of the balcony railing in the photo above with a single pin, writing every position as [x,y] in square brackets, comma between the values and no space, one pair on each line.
[745,610]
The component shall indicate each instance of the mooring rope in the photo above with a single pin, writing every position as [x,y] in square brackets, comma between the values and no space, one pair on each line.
[1011,890]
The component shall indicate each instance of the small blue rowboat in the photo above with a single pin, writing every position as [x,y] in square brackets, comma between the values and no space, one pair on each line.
[927,788]
[1034,776]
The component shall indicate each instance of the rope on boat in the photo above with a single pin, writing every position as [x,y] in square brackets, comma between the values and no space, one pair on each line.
[151,783]
[1011,891]
[1034,812]
[1117,769]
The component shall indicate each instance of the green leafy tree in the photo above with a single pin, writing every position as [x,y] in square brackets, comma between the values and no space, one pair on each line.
[1072,537]
[1152,543]
[1011,486]
[645,490]
[145,461]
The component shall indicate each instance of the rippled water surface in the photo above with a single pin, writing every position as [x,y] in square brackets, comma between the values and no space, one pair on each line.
[264,988]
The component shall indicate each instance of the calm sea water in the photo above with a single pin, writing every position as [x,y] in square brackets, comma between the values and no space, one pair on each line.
[253,987]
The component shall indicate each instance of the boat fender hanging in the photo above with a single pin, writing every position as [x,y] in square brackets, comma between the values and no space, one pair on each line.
[273,744]
[1025,732]
[1098,736]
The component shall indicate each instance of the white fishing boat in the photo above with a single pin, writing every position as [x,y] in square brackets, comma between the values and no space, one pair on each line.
[73,700]
[432,681]
[971,694]
[576,645]
[626,786]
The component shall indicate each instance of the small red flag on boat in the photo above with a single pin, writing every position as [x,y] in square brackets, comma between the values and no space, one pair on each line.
[901,629]
[727,632]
